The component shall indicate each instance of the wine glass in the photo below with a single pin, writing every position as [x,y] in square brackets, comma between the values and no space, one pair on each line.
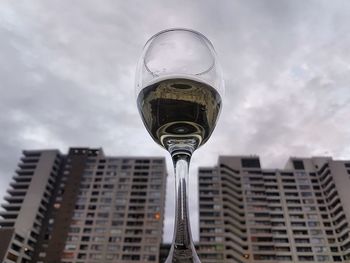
[179,86]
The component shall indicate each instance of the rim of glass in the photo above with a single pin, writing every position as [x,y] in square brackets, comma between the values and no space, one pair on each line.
[180,29]
[186,30]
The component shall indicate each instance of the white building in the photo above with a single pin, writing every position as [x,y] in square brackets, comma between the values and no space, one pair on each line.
[298,214]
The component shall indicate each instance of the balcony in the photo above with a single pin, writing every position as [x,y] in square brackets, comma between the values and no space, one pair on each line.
[9,215]
[27,166]
[11,207]
[22,178]
[16,192]
[14,199]
[19,186]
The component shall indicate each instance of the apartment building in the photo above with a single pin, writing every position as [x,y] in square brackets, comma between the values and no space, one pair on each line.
[84,207]
[297,214]
[26,205]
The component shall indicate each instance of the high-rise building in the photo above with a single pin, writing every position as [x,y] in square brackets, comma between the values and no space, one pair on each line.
[83,207]
[27,203]
[298,214]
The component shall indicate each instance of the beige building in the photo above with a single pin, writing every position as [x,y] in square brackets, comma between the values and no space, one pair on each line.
[298,214]
[27,202]
[84,207]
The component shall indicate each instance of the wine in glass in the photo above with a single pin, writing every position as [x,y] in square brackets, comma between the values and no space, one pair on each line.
[179,86]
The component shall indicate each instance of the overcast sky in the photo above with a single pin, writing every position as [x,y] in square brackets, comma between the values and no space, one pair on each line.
[67,78]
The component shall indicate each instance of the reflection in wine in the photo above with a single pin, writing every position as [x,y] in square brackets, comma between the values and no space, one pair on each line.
[179,111]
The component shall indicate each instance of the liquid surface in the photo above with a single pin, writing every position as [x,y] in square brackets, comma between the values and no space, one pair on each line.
[178,109]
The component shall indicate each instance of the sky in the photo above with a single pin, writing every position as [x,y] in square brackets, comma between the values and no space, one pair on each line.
[67,71]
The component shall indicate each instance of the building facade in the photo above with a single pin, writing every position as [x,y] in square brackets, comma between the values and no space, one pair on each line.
[297,214]
[84,207]
[27,203]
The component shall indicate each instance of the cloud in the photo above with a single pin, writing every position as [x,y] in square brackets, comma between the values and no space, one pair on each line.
[67,77]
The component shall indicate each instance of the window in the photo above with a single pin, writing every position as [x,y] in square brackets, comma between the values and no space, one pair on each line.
[322,258]
[320,249]
[70,247]
[250,163]
[306,258]
[298,165]
[111,256]
[115,231]
[100,230]
[304,249]
[316,240]
[95,256]
[113,247]
[302,240]
[72,238]
[315,232]
[74,230]
[313,223]
[98,238]
[306,194]
[96,247]
[69,255]
[312,216]
[114,239]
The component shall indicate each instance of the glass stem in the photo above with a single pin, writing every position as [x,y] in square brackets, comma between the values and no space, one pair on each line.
[182,249]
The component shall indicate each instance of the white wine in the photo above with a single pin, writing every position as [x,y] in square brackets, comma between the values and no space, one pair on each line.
[178,109]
